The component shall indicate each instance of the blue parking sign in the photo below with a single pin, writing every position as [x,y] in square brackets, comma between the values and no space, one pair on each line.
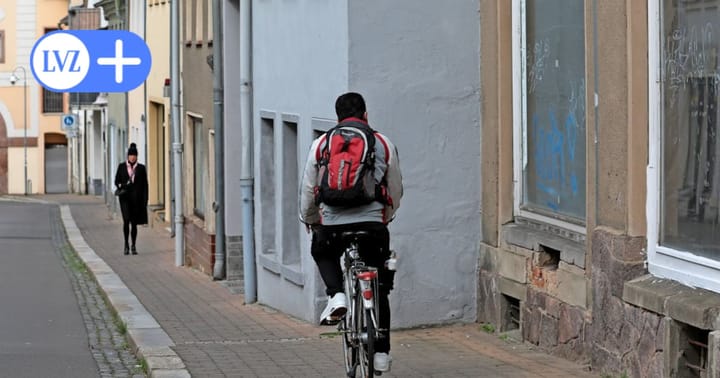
[90,61]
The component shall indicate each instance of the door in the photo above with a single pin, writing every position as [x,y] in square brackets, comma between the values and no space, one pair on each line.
[56,168]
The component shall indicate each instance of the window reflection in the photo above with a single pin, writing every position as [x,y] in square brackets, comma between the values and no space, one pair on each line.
[691,175]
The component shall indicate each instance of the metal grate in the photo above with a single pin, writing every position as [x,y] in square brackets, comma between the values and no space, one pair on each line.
[694,347]
[512,313]
[701,351]
[52,101]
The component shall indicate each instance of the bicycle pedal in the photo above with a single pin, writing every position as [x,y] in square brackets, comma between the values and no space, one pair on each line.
[330,321]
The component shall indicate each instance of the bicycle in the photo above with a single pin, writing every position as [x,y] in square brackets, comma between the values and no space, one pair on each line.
[359,326]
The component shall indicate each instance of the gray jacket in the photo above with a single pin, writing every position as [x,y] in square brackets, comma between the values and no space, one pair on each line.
[387,166]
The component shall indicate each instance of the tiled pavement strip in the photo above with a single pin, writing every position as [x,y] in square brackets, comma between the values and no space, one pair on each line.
[215,334]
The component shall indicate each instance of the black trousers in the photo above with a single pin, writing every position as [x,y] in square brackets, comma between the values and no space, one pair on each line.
[327,249]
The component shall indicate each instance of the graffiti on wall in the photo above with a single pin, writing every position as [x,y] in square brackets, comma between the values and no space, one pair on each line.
[557,151]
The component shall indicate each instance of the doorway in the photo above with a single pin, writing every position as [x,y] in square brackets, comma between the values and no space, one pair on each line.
[56,164]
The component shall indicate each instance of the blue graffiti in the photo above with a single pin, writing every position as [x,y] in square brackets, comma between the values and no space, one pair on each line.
[554,155]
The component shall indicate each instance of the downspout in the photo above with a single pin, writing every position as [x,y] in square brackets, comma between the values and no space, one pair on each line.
[218,206]
[177,145]
[246,172]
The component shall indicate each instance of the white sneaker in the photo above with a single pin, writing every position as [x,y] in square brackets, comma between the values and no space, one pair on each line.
[382,362]
[335,309]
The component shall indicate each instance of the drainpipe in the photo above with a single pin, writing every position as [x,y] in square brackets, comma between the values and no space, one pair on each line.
[177,145]
[246,172]
[219,205]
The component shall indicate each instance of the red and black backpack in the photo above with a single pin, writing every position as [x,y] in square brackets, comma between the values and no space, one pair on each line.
[346,166]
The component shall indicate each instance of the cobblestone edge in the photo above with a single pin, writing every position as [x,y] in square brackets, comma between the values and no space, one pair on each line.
[108,344]
[147,339]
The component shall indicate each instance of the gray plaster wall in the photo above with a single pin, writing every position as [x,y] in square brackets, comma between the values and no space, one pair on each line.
[299,67]
[417,64]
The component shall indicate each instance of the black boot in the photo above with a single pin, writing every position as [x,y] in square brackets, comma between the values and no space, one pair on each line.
[134,251]
[127,250]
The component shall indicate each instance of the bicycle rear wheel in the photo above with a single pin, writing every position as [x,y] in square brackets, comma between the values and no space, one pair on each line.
[367,342]
[350,350]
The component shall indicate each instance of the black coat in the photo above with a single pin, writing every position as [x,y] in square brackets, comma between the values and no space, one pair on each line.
[133,203]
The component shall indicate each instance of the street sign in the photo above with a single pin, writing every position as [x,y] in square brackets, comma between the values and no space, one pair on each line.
[68,122]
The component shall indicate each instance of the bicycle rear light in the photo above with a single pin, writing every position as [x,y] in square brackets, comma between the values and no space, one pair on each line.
[367,294]
[367,276]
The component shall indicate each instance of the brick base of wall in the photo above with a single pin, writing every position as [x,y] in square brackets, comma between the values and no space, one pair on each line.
[625,339]
[613,336]
[558,328]
[199,248]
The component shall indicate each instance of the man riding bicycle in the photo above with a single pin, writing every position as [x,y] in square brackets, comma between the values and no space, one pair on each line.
[352,182]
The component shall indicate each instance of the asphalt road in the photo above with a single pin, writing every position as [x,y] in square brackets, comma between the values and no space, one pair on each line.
[42,333]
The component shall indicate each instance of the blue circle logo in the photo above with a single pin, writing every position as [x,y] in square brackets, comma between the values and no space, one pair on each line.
[90,61]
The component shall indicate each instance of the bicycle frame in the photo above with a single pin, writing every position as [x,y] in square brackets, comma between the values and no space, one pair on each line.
[360,324]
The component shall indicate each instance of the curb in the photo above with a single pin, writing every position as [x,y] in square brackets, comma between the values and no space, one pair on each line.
[22,199]
[146,337]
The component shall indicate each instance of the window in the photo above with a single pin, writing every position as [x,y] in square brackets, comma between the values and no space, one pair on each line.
[291,188]
[549,62]
[188,29]
[199,164]
[199,17]
[2,46]
[209,21]
[267,184]
[52,101]
[684,175]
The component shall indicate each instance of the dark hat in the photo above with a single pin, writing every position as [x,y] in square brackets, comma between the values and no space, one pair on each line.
[132,150]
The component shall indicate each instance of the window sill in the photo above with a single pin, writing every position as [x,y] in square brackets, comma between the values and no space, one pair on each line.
[197,221]
[697,307]
[290,272]
[527,237]
[269,262]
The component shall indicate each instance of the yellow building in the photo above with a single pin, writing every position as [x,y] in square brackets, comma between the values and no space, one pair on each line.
[29,115]
[157,37]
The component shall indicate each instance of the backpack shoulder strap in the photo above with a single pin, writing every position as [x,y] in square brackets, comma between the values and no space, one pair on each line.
[384,143]
[322,145]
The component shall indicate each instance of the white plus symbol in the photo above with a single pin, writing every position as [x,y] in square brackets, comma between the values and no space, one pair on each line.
[119,61]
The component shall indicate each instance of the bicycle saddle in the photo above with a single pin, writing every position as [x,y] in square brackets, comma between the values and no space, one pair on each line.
[349,236]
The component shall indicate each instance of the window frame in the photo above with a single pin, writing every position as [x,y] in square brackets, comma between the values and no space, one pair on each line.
[666,262]
[519,85]
[194,121]
[45,101]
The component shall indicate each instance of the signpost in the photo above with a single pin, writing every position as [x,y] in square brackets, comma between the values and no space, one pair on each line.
[69,124]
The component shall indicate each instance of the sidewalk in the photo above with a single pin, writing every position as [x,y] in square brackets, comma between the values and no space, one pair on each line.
[216,335]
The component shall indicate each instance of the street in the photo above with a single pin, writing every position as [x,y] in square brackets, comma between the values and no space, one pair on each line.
[53,320]
[42,332]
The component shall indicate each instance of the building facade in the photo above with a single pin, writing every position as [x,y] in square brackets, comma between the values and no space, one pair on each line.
[599,123]
[158,113]
[30,133]
[116,109]
[196,33]
[421,83]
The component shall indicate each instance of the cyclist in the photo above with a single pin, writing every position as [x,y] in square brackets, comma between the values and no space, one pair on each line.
[327,223]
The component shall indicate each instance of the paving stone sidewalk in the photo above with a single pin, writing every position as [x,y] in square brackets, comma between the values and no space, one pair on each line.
[217,335]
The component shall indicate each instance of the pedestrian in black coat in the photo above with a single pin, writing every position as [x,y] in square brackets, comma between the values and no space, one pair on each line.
[131,180]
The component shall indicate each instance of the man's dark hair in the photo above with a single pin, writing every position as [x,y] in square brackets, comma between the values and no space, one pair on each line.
[350,104]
